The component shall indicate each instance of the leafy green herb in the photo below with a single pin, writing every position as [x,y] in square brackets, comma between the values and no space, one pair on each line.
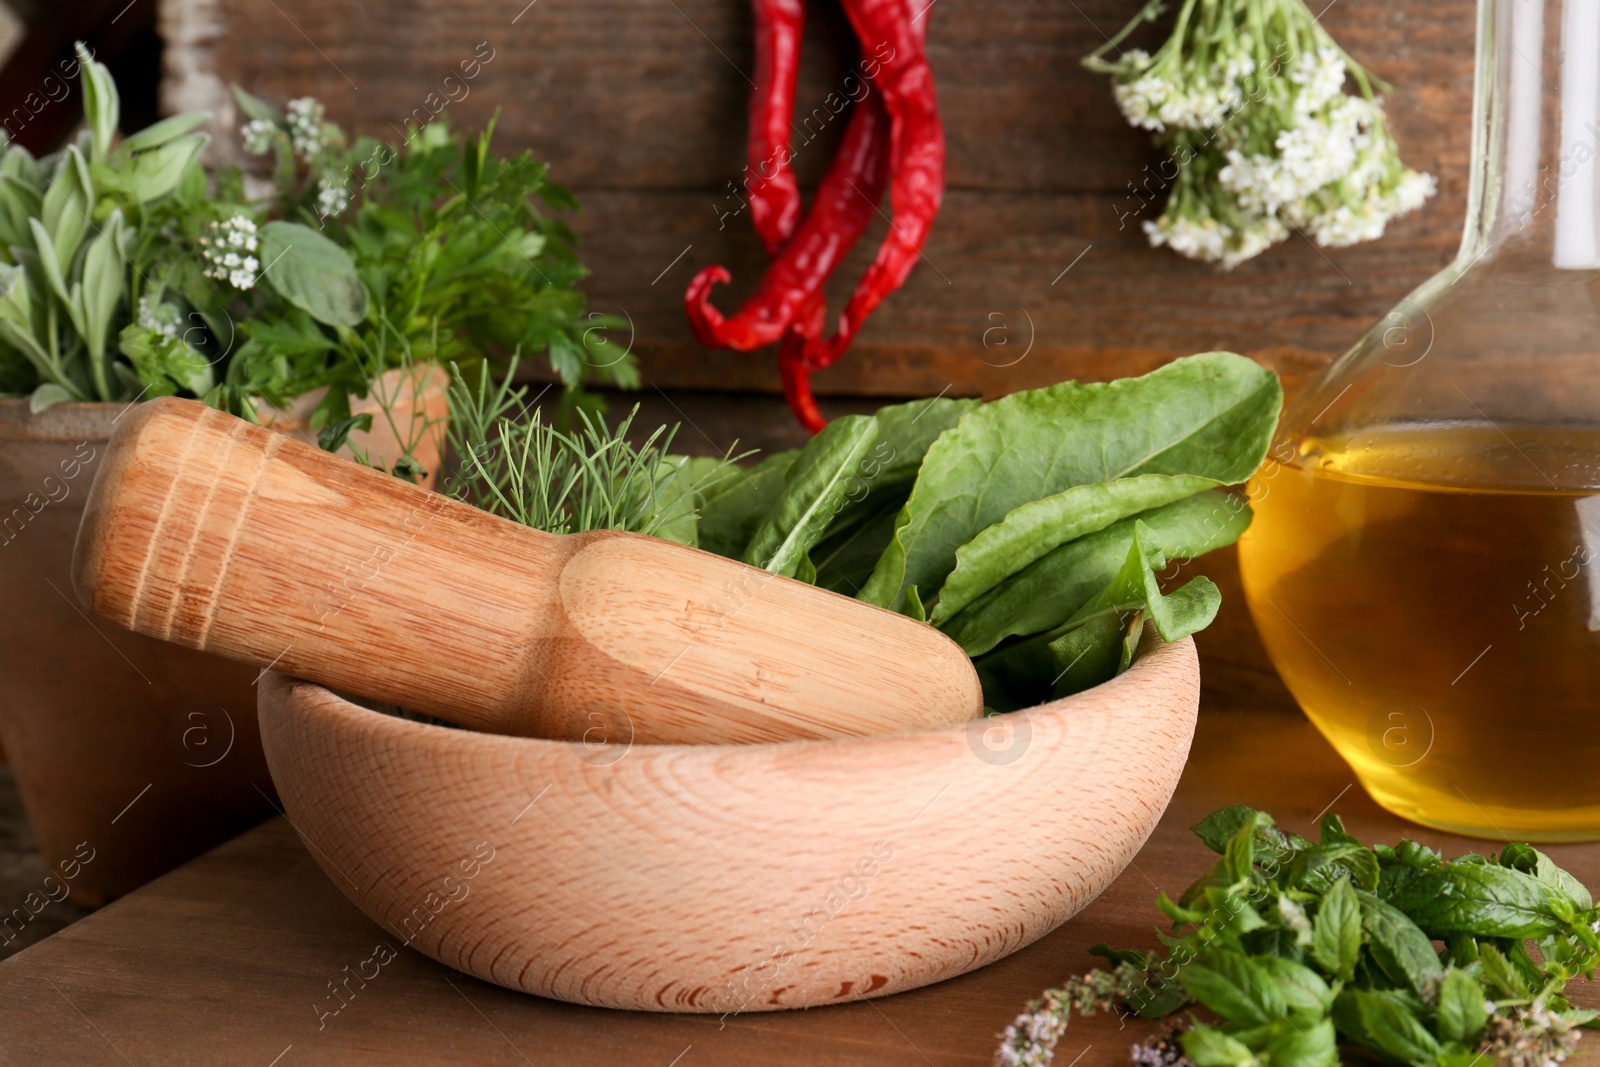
[1283,956]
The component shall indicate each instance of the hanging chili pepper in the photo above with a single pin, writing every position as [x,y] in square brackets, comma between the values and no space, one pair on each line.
[916,158]
[793,367]
[774,195]
[838,217]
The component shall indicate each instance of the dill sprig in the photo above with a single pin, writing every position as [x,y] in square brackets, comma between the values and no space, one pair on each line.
[560,481]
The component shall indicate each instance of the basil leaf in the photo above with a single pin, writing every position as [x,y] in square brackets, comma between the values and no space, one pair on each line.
[1529,860]
[731,511]
[1461,1013]
[1210,415]
[1476,899]
[1209,1047]
[1303,990]
[1336,931]
[1398,946]
[1318,867]
[1384,1025]
[828,472]
[1045,594]
[312,273]
[1234,986]
[1302,1045]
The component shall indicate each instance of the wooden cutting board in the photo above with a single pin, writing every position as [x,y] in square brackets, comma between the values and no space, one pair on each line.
[227,959]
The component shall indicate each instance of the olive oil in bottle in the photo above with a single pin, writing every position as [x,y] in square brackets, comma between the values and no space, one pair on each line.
[1429,597]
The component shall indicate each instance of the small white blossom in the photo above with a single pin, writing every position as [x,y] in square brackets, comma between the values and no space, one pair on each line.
[162,318]
[226,247]
[1320,75]
[332,199]
[257,135]
[305,126]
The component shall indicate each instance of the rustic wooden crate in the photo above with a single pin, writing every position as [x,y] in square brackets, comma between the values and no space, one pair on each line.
[639,107]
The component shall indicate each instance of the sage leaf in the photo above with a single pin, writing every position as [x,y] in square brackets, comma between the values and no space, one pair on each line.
[160,133]
[1461,1014]
[48,395]
[1210,415]
[256,108]
[1336,930]
[731,511]
[1034,529]
[1398,945]
[828,472]
[67,203]
[104,285]
[101,106]
[151,175]
[50,264]
[1045,594]
[312,273]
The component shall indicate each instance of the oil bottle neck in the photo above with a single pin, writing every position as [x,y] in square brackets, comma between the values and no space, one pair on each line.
[1535,183]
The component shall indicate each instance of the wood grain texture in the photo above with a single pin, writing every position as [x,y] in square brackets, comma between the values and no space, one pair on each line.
[640,108]
[145,752]
[236,957]
[211,532]
[718,879]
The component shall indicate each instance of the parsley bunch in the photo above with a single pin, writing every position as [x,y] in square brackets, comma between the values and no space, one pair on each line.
[1291,947]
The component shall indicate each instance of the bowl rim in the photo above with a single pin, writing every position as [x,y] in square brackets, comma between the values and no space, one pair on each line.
[1155,658]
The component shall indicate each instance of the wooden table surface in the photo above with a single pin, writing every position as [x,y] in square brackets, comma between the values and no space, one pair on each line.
[228,959]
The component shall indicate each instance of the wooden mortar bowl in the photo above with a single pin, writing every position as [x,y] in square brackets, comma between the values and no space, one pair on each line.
[729,878]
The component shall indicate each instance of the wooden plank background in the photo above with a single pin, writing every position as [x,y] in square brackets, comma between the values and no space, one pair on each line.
[639,107]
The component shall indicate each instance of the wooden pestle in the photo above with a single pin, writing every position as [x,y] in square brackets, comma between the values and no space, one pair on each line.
[212,532]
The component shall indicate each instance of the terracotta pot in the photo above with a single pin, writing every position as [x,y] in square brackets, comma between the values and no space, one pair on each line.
[134,752]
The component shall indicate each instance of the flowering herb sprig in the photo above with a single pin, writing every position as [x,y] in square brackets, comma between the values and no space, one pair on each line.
[1249,99]
[1291,947]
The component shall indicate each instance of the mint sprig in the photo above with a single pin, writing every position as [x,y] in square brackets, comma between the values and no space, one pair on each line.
[1287,948]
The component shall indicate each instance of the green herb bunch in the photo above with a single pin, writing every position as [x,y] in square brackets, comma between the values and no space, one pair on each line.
[569,481]
[1037,530]
[82,233]
[1291,947]
[128,271]
[448,239]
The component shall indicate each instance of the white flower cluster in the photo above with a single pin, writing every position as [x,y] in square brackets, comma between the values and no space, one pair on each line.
[332,199]
[161,317]
[257,135]
[305,126]
[227,248]
[1264,134]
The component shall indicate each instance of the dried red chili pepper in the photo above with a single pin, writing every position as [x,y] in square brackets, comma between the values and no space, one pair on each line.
[916,159]
[837,219]
[793,367]
[774,194]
